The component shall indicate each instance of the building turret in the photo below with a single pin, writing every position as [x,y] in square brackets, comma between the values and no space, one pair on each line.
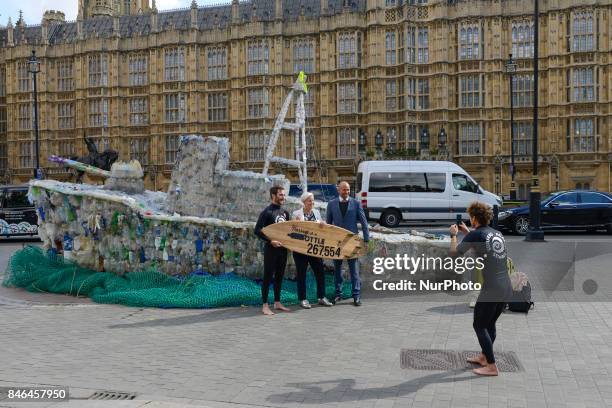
[94,8]
[101,8]
[53,16]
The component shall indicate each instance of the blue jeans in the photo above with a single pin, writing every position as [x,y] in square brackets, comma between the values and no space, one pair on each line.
[354,271]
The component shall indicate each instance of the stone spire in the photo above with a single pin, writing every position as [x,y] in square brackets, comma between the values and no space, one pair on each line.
[194,14]
[154,17]
[79,28]
[44,31]
[9,33]
[278,9]
[21,26]
[21,21]
[235,12]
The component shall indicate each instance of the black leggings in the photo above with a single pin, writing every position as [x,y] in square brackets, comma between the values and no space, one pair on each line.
[301,266]
[485,316]
[275,261]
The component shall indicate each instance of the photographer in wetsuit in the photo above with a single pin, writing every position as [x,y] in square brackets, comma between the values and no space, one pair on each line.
[275,256]
[490,245]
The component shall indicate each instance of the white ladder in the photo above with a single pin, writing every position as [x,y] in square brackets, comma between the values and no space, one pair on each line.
[299,128]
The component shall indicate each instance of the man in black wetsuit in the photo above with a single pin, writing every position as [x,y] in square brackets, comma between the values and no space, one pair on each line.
[275,256]
[489,244]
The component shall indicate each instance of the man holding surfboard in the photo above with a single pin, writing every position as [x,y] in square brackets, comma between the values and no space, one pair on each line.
[275,256]
[345,212]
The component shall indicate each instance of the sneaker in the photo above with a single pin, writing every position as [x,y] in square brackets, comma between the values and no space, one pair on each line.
[337,299]
[357,301]
[305,304]
[324,302]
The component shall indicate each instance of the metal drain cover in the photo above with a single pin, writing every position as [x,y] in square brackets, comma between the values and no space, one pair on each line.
[112,395]
[446,360]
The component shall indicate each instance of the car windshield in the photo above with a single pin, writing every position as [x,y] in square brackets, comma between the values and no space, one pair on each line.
[550,197]
[17,198]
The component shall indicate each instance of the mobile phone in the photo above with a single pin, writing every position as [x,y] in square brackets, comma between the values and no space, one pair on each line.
[459,219]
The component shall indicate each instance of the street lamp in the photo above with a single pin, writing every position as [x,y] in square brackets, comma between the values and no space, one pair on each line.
[511,69]
[34,69]
[424,140]
[535,233]
[442,137]
[378,141]
[363,141]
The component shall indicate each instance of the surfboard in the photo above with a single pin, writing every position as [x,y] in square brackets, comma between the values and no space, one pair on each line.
[316,239]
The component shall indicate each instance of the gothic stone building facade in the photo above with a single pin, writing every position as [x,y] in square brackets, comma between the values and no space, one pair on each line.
[134,78]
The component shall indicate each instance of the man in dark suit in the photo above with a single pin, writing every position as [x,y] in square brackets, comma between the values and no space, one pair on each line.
[345,212]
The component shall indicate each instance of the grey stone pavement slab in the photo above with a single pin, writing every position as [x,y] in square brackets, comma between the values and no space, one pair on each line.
[333,357]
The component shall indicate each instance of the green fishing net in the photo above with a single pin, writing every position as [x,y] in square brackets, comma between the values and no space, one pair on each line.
[30,268]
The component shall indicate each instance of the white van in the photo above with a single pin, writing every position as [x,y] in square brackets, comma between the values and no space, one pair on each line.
[417,191]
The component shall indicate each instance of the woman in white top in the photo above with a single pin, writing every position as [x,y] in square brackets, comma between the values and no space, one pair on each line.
[309,213]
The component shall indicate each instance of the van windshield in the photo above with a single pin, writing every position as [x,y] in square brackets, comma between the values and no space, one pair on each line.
[461,182]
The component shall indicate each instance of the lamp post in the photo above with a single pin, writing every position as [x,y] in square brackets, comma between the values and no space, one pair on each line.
[535,233]
[511,69]
[378,141]
[424,140]
[363,141]
[442,137]
[34,69]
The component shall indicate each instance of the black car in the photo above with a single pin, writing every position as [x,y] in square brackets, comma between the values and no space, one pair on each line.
[573,209]
[17,214]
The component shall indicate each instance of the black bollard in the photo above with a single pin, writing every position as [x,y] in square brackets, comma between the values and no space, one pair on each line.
[495,216]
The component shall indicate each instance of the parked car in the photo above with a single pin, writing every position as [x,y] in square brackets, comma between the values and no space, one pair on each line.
[17,215]
[573,209]
[321,192]
[418,191]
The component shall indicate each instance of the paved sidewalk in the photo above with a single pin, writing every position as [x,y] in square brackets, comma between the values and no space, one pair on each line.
[338,357]
[332,357]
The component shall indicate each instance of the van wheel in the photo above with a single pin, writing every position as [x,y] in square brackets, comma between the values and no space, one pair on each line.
[391,218]
[521,225]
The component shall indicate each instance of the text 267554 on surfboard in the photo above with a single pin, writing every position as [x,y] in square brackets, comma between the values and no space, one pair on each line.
[322,250]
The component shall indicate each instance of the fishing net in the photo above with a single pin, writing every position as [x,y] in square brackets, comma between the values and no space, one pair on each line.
[35,271]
